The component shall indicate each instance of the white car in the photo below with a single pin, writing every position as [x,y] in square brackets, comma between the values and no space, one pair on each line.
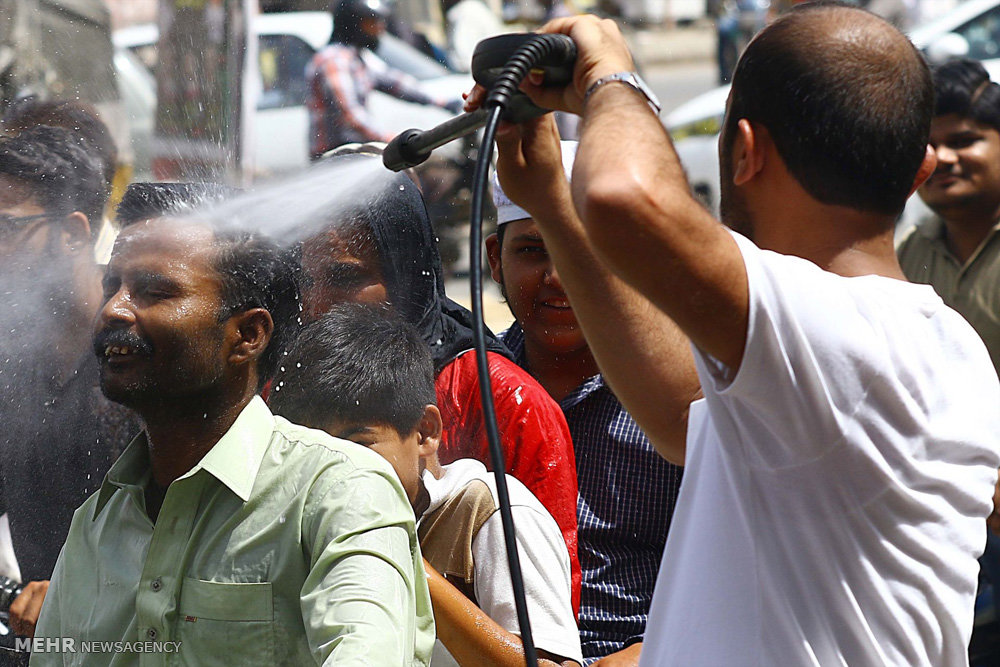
[286,43]
[971,30]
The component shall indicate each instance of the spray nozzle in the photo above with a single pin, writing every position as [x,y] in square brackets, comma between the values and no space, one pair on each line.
[499,64]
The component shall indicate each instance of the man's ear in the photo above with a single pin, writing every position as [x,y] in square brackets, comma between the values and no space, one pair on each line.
[748,151]
[926,169]
[493,255]
[74,231]
[430,428]
[252,331]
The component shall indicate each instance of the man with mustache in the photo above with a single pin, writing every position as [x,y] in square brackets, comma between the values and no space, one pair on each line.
[957,252]
[59,435]
[247,539]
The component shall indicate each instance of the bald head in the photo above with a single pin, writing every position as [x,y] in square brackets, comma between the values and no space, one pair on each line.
[847,100]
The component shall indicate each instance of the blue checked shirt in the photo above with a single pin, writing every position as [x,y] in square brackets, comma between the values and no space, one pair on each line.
[626,498]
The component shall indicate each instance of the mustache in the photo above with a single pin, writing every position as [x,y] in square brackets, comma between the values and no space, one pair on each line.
[120,338]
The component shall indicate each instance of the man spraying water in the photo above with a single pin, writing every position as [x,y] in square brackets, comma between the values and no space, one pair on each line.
[839,471]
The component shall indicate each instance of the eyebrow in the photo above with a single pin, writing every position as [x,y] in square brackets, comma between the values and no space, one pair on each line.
[346,433]
[528,237]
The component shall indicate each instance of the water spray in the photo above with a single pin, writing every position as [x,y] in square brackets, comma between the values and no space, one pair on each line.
[499,64]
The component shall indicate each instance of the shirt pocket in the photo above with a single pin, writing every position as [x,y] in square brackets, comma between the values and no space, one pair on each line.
[230,622]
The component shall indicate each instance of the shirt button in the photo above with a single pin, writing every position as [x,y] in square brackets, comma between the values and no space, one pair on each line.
[151,633]
[156,584]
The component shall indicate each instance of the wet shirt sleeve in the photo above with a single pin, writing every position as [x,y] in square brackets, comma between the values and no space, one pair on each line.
[356,600]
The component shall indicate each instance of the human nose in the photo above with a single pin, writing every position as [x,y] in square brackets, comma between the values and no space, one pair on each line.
[552,276]
[116,310]
[946,155]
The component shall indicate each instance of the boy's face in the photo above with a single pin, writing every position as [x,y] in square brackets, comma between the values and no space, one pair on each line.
[408,454]
[533,290]
[399,450]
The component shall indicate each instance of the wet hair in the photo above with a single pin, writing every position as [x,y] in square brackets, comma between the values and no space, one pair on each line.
[358,364]
[80,118]
[256,273]
[852,125]
[145,201]
[61,173]
[963,87]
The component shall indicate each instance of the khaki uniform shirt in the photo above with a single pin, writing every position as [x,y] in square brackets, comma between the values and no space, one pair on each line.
[973,289]
[282,546]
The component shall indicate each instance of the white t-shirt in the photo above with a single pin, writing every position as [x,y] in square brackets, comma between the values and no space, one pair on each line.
[544,563]
[835,492]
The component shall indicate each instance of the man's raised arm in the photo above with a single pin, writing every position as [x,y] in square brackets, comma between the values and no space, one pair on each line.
[644,357]
[631,194]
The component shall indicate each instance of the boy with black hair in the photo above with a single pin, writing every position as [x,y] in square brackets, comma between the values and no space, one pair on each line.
[361,375]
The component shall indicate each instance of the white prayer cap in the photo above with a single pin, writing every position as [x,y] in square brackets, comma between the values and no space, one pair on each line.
[508,211]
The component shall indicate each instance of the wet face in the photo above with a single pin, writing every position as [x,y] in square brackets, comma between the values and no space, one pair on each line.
[968,169]
[401,451]
[158,334]
[533,290]
[340,267]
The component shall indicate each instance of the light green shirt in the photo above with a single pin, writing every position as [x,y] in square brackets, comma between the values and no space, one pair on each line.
[283,546]
[973,288]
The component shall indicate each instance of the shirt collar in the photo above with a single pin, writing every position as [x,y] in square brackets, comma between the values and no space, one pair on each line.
[933,228]
[513,338]
[234,460]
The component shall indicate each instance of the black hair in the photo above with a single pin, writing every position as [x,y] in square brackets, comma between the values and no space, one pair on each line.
[256,273]
[852,126]
[144,201]
[80,118]
[61,173]
[963,87]
[358,364]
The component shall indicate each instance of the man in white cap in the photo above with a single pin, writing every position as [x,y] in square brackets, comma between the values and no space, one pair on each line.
[626,490]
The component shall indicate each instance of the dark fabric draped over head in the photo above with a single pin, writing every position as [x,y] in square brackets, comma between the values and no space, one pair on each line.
[411,266]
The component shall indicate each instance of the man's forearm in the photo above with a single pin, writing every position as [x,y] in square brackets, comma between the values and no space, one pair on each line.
[643,355]
[638,213]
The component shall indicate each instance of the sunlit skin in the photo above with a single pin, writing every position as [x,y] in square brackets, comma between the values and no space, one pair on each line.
[555,347]
[165,349]
[965,188]
[161,290]
[340,267]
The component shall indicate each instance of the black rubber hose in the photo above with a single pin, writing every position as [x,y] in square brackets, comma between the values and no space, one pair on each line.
[479,183]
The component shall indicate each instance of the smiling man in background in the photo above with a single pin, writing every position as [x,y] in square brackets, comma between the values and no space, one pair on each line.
[957,251]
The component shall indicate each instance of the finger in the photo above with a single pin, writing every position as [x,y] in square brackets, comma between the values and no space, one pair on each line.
[475,98]
[19,612]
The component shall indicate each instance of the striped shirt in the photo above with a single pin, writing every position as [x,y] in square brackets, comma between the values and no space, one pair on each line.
[626,498]
[340,80]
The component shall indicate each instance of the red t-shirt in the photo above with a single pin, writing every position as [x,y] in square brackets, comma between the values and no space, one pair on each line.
[537,446]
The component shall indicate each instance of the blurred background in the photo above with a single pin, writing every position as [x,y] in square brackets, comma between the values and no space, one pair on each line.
[217,90]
